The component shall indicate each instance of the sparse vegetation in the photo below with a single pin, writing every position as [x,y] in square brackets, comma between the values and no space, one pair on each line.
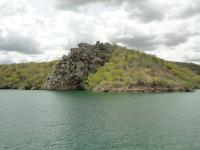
[130,70]
[25,75]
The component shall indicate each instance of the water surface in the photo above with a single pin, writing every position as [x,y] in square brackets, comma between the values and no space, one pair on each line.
[47,120]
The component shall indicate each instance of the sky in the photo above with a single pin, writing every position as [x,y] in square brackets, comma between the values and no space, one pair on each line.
[44,30]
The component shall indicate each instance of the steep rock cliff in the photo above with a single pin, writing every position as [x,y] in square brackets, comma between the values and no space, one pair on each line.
[71,70]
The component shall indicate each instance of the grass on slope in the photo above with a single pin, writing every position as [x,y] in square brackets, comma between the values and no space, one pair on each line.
[130,69]
[25,75]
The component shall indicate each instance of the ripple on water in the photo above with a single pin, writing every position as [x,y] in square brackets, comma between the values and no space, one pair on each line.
[84,120]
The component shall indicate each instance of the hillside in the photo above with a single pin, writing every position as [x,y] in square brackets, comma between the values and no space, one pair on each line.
[25,75]
[132,71]
[103,67]
[193,67]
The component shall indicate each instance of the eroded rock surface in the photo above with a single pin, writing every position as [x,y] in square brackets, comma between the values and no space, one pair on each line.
[71,70]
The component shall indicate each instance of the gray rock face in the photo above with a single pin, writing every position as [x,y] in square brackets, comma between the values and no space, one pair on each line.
[72,69]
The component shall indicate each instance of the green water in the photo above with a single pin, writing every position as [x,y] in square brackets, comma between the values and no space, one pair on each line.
[45,120]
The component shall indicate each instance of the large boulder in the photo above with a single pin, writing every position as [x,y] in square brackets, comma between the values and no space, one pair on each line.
[71,70]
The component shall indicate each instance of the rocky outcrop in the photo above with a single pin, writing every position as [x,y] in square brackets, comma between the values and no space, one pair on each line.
[71,70]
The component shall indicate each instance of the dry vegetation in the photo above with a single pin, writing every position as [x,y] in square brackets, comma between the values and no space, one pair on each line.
[25,75]
[130,70]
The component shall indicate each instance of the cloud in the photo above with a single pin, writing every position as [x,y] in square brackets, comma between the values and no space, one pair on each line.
[12,8]
[38,30]
[194,58]
[139,42]
[68,4]
[174,39]
[191,9]
[75,4]
[14,42]
[144,10]
[8,57]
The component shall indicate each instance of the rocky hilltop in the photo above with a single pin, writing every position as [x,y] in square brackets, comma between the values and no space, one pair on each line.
[111,68]
[72,69]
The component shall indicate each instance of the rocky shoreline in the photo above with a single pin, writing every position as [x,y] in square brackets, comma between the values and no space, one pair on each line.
[148,90]
[122,90]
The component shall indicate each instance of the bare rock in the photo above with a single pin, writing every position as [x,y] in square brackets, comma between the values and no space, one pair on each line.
[71,70]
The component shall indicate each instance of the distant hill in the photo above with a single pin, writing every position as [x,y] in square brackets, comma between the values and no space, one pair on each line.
[103,68]
[25,75]
[193,67]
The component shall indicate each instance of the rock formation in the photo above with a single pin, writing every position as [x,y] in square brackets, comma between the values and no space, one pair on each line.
[71,70]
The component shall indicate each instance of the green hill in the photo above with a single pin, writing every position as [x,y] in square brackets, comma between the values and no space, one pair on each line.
[132,71]
[25,75]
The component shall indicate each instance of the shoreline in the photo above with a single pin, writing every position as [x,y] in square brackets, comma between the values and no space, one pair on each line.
[122,90]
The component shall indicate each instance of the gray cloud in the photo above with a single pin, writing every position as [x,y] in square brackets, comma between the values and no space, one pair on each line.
[138,42]
[151,14]
[174,39]
[69,4]
[144,10]
[177,37]
[191,10]
[18,43]
[74,4]
[151,42]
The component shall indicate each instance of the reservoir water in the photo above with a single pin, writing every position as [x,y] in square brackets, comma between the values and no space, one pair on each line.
[78,120]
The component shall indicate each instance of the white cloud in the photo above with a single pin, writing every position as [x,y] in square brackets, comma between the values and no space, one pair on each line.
[38,30]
